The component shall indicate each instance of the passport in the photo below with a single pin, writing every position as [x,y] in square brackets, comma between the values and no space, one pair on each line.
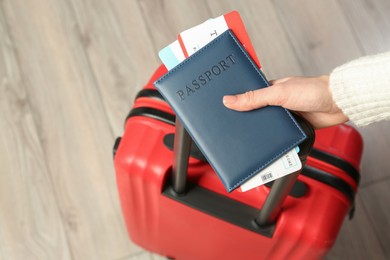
[237,145]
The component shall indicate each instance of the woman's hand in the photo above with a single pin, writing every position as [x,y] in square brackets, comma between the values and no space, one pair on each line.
[309,97]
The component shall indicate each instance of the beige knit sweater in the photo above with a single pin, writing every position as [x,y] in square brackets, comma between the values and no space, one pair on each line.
[361,88]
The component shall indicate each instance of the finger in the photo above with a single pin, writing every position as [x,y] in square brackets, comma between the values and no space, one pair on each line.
[278,81]
[253,99]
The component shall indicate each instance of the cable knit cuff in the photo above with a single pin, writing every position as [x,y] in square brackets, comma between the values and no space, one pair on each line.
[361,88]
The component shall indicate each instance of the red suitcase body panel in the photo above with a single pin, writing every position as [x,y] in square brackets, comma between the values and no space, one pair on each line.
[306,228]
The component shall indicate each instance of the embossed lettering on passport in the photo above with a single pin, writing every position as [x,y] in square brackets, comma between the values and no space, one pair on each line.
[202,80]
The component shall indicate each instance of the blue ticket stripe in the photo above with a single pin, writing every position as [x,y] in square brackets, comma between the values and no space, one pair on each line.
[168,58]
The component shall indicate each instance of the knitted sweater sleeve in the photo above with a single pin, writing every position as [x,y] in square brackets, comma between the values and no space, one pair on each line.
[361,88]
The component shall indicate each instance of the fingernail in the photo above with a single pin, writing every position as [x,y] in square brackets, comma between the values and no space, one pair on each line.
[229,100]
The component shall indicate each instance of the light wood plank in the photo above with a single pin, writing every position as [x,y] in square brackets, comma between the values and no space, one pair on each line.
[356,239]
[320,34]
[72,125]
[120,52]
[275,54]
[166,19]
[267,34]
[375,161]
[370,21]
[376,202]
[30,222]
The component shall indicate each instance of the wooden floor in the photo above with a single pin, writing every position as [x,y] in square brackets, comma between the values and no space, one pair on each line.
[69,71]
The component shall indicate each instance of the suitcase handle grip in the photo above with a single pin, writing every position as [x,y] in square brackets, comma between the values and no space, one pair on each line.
[279,191]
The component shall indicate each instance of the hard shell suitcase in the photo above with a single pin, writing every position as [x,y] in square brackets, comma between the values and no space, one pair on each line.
[193,217]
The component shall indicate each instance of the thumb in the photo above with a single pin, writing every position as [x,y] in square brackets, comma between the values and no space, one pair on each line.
[253,99]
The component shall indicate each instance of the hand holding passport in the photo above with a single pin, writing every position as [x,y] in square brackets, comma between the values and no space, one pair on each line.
[214,59]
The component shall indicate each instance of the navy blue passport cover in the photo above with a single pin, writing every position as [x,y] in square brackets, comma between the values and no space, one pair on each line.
[236,144]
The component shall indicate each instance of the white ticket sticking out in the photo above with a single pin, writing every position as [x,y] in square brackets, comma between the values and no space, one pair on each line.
[171,55]
[287,164]
[198,36]
[193,39]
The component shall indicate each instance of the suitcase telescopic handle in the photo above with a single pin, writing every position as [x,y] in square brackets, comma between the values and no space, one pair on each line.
[278,193]
[181,150]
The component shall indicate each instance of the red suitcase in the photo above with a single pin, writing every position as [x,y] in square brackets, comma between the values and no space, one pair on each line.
[206,222]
